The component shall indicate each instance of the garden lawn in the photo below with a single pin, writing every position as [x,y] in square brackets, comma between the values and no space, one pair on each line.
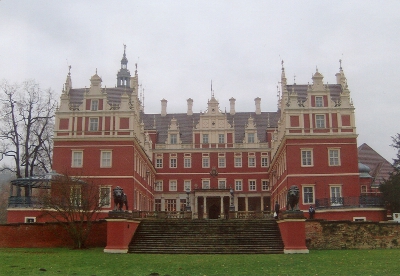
[62,261]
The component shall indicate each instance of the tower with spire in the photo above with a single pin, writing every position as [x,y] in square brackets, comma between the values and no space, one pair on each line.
[124,76]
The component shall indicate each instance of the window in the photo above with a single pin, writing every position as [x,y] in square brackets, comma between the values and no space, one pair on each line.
[187,185]
[183,204]
[75,196]
[252,161]
[221,162]
[206,162]
[157,205]
[250,137]
[252,185]
[336,196]
[334,157]
[265,185]
[159,162]
[172,163]
[172,185]
[77,159]
[173,139]
[221,184]
[205,184]
[320,121]
[221,138]
[205,138]
[238,162]
[238,185]
[94,105]
[158,186]
[30,219]
[306,158]
[170,205]
[105,159]
[319,102]
[363,189]
[105,196]
[308,194]
[264,161]
[187,162]
[93,124]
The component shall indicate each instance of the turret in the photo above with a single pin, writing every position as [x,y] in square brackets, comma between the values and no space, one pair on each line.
[124,76]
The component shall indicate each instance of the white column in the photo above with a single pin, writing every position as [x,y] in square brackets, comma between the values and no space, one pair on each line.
[222,207]
[204,207]
[246,202]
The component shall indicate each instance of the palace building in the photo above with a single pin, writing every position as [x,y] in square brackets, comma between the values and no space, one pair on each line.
[216,162]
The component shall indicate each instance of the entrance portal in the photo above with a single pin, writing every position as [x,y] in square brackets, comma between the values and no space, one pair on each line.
[214,212]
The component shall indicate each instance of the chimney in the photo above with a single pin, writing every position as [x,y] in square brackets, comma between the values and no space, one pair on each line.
[232,110]
[164,107]
[189,105]
[258,108]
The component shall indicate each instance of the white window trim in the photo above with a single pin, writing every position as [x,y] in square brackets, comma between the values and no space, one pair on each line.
[330,193]
[338,157]
[170,162]
[255,185]
[241,184]
[184,162]
[302,193]
[185,186]
[159,165]
[208,162]
[248,162]
[109,195]
[316,121]
[90,124]
[26,219]
[101,159]
[224,162]
[156,186]
[203,181]
[262,185]
[171,188]
[73,165]
[92,105]
[241,162]
[261,161]
[312,157]
[322,101]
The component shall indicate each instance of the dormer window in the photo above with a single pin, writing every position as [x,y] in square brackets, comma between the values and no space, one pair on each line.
[94,105]
[319,102]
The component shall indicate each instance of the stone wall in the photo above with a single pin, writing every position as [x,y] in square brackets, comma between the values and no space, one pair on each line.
[321,234]
[48,235]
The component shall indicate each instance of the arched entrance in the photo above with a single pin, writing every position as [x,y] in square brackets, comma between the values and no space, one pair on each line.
[214,212]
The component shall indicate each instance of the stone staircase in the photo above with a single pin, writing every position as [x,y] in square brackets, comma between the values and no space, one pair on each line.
[207,237]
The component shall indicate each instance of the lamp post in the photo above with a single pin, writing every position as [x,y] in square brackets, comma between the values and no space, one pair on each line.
[188,208]
[232,206]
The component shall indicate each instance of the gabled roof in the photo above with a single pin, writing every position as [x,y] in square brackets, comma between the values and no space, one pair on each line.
[188,122]
[380,167]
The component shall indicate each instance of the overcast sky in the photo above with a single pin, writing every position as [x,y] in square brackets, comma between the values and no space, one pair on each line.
[180,46]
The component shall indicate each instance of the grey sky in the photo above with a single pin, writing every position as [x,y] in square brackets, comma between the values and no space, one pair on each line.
[180,46]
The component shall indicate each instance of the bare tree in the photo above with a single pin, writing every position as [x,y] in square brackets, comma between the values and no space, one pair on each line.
[75,203]
[26,128]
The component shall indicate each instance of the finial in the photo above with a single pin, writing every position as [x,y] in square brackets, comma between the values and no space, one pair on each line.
[96,71]
[316,68]
[283,68]
[124,48]
[294,82]
[340,62]
[69,70]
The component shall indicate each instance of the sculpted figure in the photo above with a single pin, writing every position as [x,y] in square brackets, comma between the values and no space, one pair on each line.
[293,196]
[120,199]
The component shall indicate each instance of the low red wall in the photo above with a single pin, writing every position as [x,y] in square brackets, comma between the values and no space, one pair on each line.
[48,235]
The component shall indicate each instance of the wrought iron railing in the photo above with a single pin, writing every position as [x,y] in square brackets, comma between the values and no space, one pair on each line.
[350,202]
[22,201]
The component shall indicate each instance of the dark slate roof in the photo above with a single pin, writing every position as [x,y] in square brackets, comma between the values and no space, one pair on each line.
[113,94]
[301,90]
[380,167]
[188,122]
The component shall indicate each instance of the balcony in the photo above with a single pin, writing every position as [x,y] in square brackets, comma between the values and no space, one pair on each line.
[364,201]
[23,202]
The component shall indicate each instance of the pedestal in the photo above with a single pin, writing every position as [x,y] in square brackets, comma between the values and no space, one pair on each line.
[293,232]
[120,230]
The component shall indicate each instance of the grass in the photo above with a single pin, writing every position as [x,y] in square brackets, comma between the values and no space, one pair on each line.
[62,261]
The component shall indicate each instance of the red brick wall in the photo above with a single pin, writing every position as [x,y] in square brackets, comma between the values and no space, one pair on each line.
[47,235]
